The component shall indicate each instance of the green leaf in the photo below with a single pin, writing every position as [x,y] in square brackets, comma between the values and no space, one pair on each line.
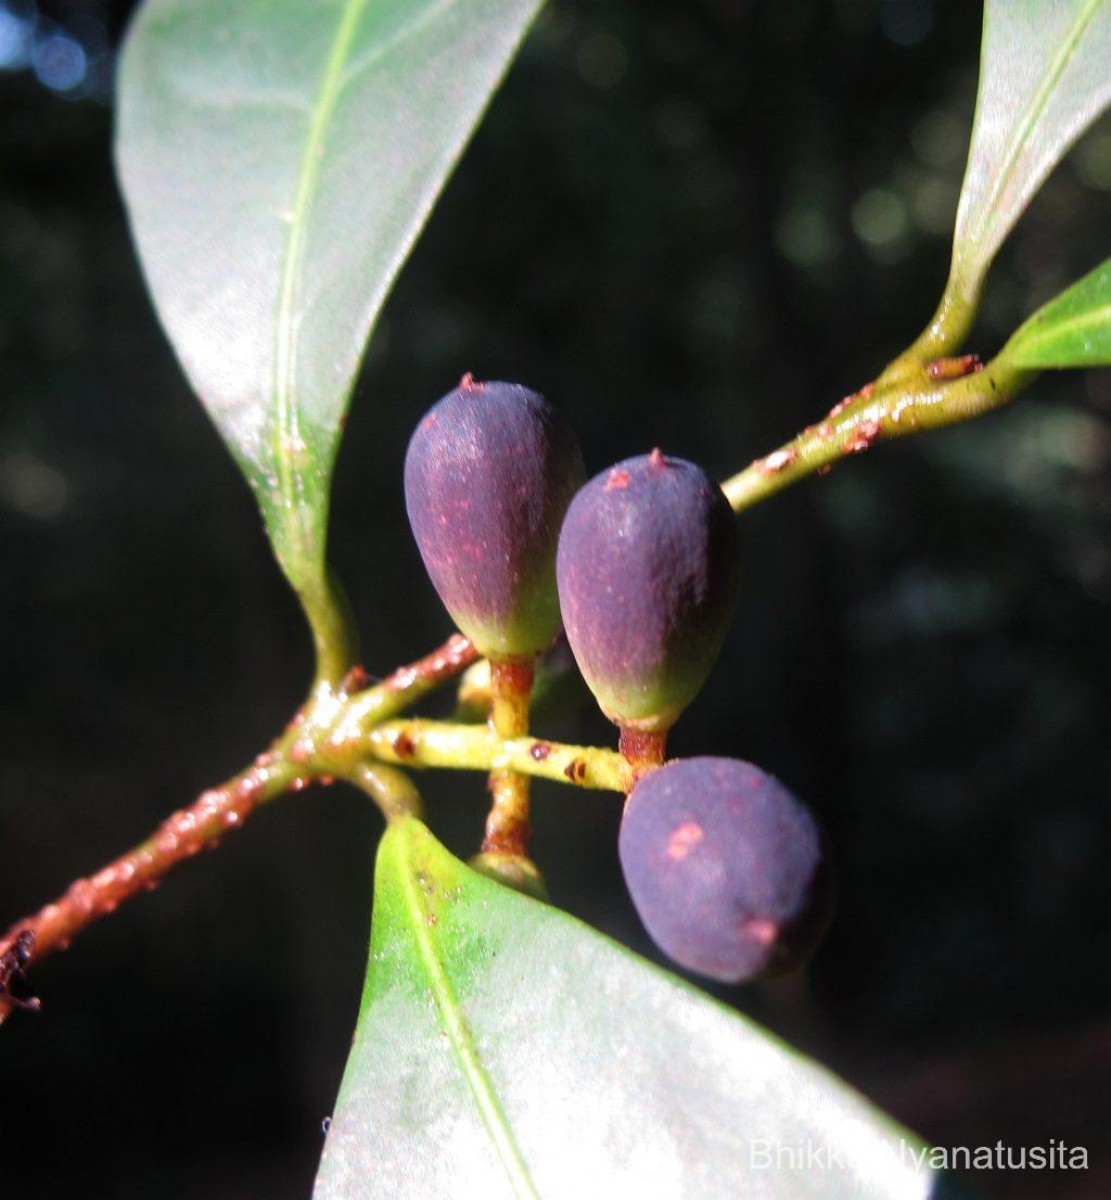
[1044,78]
[278,161]
[505,1049]
[1072,330]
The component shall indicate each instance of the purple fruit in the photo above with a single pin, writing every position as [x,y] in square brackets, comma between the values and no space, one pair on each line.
[725,867]
[489,474]
[648,575]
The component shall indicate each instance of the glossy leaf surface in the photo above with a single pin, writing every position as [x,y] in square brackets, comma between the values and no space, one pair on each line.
[506,1050]
[1072,330]
[278,160]
[1044,78]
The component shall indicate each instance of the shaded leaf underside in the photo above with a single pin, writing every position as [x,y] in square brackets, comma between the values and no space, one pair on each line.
[1044,79]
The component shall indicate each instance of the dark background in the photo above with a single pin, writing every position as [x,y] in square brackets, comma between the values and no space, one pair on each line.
[694,225]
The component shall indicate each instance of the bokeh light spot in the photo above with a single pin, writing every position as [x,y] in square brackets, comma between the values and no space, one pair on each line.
[16,30]
[60,62]
[33,487]
[880,218]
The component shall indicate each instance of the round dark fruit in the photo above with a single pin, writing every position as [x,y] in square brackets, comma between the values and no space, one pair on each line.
[726,868]
[648,573]
[489,474]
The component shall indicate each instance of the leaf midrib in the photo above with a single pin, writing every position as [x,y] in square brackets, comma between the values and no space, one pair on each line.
[1070,327]
[287,426]
[1036,107]
[462,1041]
[338,75]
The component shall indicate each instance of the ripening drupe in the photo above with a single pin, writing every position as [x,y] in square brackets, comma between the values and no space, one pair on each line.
[489,473]
[648,574]
[725,867]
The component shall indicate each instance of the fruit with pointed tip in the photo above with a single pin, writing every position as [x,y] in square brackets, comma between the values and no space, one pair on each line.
[726,868]
[489,473]
[648,574]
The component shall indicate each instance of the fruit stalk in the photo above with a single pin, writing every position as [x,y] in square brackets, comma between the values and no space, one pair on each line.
[643,750]
[422,743]
[507,826]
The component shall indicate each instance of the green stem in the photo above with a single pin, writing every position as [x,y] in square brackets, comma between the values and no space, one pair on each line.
[333,629]
[392,790]
[946,332]
[423,743]
[473,701]
[931,395]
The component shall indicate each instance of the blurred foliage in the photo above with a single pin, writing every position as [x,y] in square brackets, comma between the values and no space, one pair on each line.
[695,226]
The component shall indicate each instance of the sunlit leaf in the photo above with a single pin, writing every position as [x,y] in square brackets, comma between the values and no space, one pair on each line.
[505,1049]
[1072,330]
[1045,75]
[278,160]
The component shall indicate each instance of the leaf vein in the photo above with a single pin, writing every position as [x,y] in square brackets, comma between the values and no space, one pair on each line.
[377,53]
[287,431]
[462,1042]
[1040,99]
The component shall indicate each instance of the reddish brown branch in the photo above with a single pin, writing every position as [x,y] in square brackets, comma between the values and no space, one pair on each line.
[432,670]
[292,762]
[214,813]
[404,687]
[13,960]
